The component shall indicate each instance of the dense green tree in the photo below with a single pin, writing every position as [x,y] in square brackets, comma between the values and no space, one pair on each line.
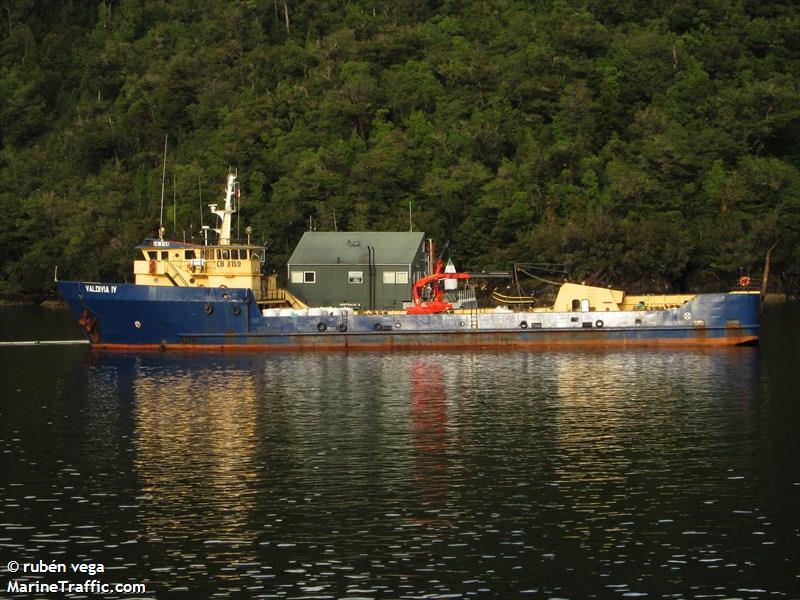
[647,143]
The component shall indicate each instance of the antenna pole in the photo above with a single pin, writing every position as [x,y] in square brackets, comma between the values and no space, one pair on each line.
[200,187]
[410,225]
[163,176]
[174,204]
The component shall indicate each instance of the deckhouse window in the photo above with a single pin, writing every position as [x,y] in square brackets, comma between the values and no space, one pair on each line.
[225,255]
[395,277]
[189,254]
[152,255]
[303,277]
[165,255]
[234,254]
[355,277]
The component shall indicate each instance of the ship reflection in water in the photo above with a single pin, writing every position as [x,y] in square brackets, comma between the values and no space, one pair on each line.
[196,448]
[388,475]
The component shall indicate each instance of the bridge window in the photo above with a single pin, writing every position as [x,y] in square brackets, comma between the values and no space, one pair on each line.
[234,254]
[576,304]
[225,255]
[165,255]
[152,255]
[189,255]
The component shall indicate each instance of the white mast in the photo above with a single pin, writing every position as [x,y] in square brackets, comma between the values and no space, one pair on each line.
[224,230]
[163,178]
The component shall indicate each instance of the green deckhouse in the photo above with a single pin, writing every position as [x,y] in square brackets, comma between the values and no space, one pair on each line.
[366,270]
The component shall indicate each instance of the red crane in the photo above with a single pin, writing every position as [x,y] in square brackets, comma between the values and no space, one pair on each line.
[437,304]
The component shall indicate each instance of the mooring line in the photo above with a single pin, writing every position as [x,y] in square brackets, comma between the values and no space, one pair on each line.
[44,343]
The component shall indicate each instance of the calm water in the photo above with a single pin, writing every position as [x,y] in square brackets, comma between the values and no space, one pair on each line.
[661,474]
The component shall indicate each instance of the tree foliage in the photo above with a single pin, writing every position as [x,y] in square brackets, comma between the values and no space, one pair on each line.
[652,141]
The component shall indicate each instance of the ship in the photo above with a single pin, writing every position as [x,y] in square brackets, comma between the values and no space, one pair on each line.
[216,296]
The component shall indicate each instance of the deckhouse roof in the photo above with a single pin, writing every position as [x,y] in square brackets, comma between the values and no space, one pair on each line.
[350,247]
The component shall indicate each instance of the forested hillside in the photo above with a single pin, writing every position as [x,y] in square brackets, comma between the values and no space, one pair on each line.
[655,140]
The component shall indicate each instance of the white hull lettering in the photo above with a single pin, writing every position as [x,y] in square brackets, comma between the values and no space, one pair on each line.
[101,289]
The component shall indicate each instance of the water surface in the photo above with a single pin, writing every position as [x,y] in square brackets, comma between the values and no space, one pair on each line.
[570,474]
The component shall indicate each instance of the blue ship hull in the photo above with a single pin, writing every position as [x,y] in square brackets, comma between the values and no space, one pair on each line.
[127,316]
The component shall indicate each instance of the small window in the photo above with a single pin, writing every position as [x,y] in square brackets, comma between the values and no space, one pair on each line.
[401,277]
[576,304]
[177,255]
[297,277]
[309,276]
[355,277]
[152,255]
[234,254]
[244,254]
[225,255]
[165,255]
[388,277]
[189,255]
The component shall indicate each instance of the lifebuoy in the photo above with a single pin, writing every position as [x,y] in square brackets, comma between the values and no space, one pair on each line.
[523,325]
[322,327]
[599,323]
[208,309]
[744,281]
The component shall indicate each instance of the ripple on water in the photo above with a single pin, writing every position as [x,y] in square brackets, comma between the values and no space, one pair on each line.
[411,475]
